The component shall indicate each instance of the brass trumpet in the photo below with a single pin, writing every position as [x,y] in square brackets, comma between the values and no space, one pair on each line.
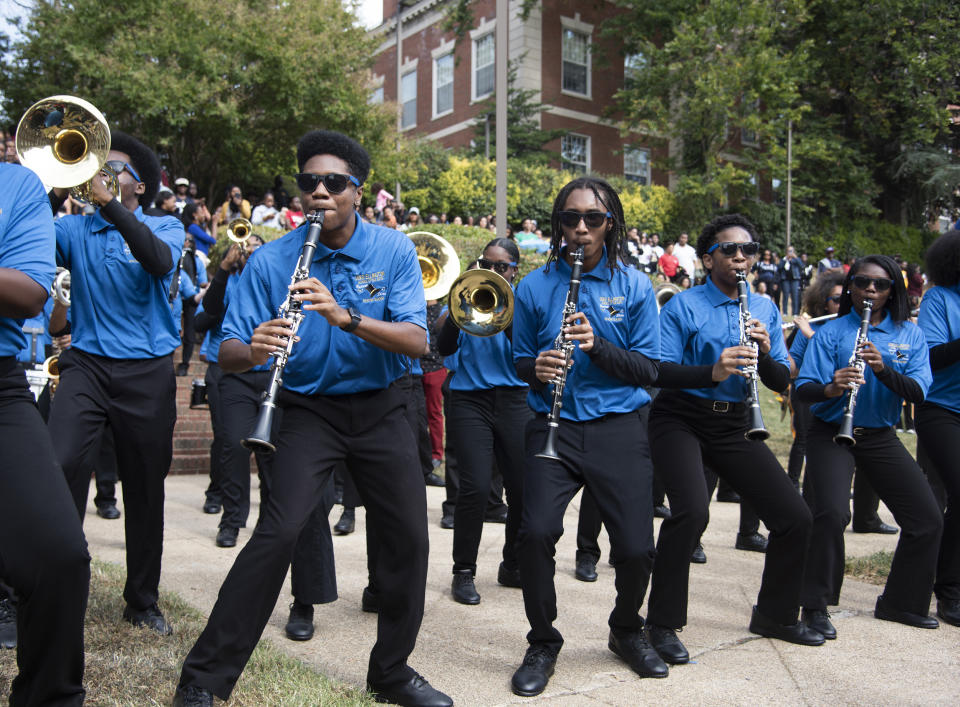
[439,264]
[481,302]
[239,231]
[60,290]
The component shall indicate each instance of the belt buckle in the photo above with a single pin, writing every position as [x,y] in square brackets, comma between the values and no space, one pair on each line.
[721,406]
[859,430]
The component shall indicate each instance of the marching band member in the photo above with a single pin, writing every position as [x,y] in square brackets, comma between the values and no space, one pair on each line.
[364,310]
[700,416]
[602,441]
[895,368]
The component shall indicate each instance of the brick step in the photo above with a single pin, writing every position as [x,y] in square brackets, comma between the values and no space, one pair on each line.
[193,426]
[183,443]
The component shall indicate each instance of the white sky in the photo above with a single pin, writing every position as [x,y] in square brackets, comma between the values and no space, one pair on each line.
[370,12]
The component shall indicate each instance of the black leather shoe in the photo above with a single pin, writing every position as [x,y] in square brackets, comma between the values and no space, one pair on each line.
[495,517]
[227,537]
[508,578]
[346,523]
[183,369]
[880,527]
[534,673]
[370,601]
[110,512]
[416,693]
[886,612]
[463,589]
[300,624]
[212,507]
[8,624]
[664,640]
[447,521]
[432,479]
[586,569]
[151,618]
[949,610]
[819,621]
[636,650]
[752,542]
[793,633]
[699,557]
[193,696]
[661,511]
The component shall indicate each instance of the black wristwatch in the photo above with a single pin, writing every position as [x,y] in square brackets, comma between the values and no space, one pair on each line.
[354,320]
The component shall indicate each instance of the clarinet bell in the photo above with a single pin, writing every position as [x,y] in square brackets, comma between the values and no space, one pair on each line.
[756,432]
[259,439]
[549,450]
[844,436]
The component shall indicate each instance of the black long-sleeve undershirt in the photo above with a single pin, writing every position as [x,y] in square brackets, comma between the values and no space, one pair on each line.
[151,252]
[448,340]
[631,367]
[213,308]
[773,375]
[944,355]
[904,386]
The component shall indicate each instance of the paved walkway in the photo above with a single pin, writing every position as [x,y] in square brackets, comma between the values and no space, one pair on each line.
[470,652]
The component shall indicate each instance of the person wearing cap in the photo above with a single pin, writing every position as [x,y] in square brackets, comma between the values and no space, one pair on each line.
[181,188]
[829,262]
[413,220]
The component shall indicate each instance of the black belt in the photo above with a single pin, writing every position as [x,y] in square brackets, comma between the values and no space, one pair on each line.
[602,418]
[867,431]
[720,406]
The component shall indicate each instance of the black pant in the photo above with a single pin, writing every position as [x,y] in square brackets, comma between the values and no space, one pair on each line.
[589,522]
[43,554]
[901,484]
[214,373]
[415,402]
[749,520]
[137,399]
[489,423]
[610,456]
[369,431]
[189,335]
[939,430]
[105,471]
[682,434]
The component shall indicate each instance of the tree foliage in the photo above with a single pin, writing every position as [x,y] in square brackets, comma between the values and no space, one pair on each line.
[221,89]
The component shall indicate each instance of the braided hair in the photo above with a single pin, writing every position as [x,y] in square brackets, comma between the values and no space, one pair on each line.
[616,238]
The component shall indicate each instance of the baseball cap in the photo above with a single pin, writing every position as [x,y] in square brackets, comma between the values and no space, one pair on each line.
[182,181]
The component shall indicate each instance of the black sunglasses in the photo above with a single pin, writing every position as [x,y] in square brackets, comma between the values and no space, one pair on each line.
[499,268]
[592,219]
[729,248]
[334,183]
[882,284]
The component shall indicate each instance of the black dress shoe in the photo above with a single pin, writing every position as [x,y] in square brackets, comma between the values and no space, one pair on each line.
[949,610]
[151,618]
[370,601]
[212,507]
[661,511]
[793,633]
[463,589]
[534,673]
[508,578]
[698,557]
[300,624]
[879,527]
[110,512]
[886,612]
[8,624]
[346,523]
[586,569]
[636,650]
[819,621]
[664,640]
[432,479]
[227,537]
[193,696]
[447,521]
[416,693]
[752,542]
[495,517]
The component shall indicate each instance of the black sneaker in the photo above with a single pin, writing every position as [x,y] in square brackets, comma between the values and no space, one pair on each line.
[346,523]
[108,511]
[432,479]
[300,624]
[417,692]
[586,570]
[507,577]
[370,601]
[751,542]
[8,623]
[534,673]
[636,651]
[151,618]
[463,589]
[667,644]
[212,507]
[227,537]
[698,557]
[193,696]
[819,620]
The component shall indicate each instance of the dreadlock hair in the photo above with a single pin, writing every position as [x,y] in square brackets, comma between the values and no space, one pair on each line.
[616,238]
[328,142]
[143,160]
[943,259]
[896,304]
[815,296]
[708,236]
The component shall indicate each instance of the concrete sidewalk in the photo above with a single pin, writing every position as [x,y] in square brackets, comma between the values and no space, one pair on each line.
[470,652]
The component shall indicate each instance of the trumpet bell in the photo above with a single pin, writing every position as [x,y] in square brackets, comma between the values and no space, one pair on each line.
[239,231]
[439,263]
[481,302]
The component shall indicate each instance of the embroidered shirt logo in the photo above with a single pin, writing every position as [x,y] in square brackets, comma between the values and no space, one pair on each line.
[370,286]
[613,306]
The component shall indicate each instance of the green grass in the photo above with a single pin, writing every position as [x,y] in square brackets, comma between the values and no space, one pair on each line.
[872,568]
[127,666]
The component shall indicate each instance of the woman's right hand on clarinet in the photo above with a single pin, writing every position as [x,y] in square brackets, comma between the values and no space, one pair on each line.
[843,380]
[731,361]
[549,365]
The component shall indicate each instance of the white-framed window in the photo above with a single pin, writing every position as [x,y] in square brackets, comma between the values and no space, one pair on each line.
[408,99]
[633,64]
[636,164]
[443,85]
[575,153]
[576,62]
[376,96]
[484,53]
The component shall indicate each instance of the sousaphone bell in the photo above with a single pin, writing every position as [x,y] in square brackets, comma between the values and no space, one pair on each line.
[439,264]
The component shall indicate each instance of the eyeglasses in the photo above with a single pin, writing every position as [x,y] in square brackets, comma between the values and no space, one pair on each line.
[833,298]
[334,183]
[729,248]
[499,268]
[592,219]
[881,284]
[119,165]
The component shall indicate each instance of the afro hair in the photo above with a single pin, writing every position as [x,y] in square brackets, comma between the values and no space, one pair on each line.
[328,142]
[143,160]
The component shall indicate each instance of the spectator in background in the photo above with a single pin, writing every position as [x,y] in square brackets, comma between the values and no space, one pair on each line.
[433,219]
[181,189]
[193,285]
[280,195]
[656,251]
[292,216]
[235,206]
[413,220]
[165,204]
[790,272]
[457,221]
[369,214]
[383,197]
[686,254]
[914,285]
[482,222]
[388,220]
[668,263]
[807,273]
[193,191]
[829,262]
[193,216]
[267,214]
[766,271]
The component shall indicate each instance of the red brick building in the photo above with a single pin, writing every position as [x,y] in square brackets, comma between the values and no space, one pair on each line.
[443,88]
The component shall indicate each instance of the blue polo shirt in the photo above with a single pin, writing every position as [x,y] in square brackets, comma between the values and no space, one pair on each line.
[119,310]
[485,362]
[940,322]
[904,350]
[26,240]
[376,272]
[696,325]
[799,346]
[621,307]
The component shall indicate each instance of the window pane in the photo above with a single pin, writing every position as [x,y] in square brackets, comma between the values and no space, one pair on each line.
[408,86]
[573,151]
[409,113]
[485,50]
[574,47]
[483,72]
[445,69]
[485,81]
[444,98]
[636,165]
[574,78]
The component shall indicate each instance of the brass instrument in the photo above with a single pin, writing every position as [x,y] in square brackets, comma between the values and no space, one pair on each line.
[844,436]
[60,290]
[756,429]
[664,292]
[481,302]
[66,140]
[439,264]
[790,325]
[238,231]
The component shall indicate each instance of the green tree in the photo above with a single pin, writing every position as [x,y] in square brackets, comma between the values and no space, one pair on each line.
[221,89]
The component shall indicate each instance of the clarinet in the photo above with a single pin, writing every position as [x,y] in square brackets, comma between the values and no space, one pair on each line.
[561,344]
[756,429]
[844,436]
[292,309]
